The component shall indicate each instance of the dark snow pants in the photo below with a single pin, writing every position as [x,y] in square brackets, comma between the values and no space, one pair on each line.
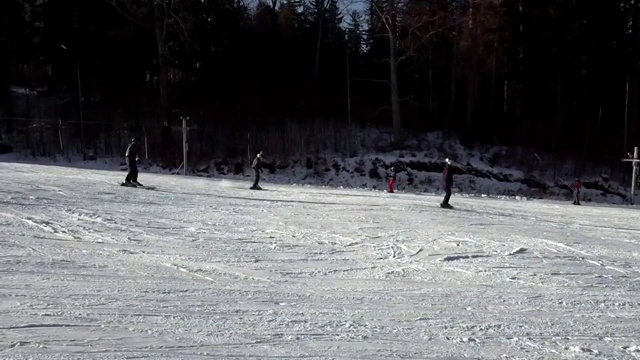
[257,180]
[132,175]
[447,195]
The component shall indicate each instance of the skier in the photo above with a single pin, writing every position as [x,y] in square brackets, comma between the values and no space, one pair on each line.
[257,169]
[132,161]
[576,191]
[394,176]
[447,178]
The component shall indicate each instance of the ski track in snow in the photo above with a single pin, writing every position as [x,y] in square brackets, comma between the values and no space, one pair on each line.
[194,270]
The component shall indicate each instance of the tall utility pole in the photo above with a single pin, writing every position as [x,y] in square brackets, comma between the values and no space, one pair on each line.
[635,162]
[185,144]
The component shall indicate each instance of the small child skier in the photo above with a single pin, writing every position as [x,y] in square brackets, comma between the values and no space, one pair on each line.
[576,191]
[394,177]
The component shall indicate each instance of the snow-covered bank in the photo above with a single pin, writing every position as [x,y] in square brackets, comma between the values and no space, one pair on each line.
[484,171]
[205,268]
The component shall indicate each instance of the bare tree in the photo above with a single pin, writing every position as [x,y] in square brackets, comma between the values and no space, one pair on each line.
[408,27]
[476,50]
[321,13]
[388,18]
[327,16]
[160,16]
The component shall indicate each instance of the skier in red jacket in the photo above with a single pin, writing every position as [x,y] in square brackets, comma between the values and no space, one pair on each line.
[394,177]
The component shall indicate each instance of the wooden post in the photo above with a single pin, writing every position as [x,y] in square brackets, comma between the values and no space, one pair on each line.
[635,162]
[185,144]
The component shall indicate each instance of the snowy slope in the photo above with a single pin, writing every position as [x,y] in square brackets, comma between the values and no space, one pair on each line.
[204,268]
[481,170]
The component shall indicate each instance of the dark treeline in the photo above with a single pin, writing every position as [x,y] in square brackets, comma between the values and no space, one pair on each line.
[555,75]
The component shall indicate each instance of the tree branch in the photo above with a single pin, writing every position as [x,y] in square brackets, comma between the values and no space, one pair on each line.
[128,16]
[388,107]
[379,110]
[384,19]
[375,80]
[165,19]
[184,28]
[413,45]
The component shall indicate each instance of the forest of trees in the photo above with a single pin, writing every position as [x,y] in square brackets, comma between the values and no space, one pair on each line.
[553,75]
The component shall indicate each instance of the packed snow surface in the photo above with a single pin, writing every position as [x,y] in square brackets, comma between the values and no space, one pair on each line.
[202,268]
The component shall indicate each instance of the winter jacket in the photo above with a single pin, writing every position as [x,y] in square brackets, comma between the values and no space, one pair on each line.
[394,174]
[132,153]
[257,164]
[578,186]
[447,176]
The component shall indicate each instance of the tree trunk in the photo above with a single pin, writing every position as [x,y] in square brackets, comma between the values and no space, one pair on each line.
[393,76]
[395,95]
[160,27]
[431,111]
[494,69]
[585,106]
[318,46]
[520,102]
[5,79]
[633,111]
[600,118]
[626,114]
[471,99]
[559,116]
[454,65]
[6,105]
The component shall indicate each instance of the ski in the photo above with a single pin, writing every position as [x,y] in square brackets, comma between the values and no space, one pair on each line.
[138,186]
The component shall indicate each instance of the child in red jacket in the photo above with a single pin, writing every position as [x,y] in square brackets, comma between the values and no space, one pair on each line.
[394,176]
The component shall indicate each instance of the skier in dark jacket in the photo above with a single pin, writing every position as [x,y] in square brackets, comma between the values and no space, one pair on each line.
[394,177]
[576,191]
[132,161]
[447,178]
[257,169]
